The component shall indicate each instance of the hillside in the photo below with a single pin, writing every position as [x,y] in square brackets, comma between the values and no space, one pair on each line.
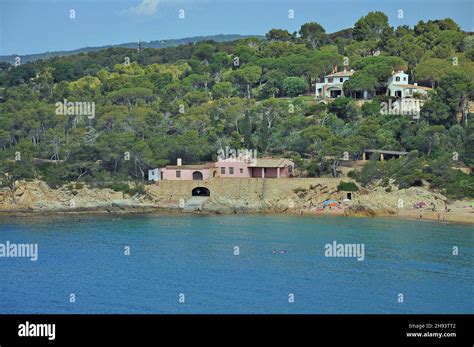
[104,118]
[150,44]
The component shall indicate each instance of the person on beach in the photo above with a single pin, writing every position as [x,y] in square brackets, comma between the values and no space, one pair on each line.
[438,216]
[421,215]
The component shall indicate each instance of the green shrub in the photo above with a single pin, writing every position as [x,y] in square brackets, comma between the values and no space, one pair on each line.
[56,175]
[138,189]
[461,187]
[347,186]
[119,187]
[407,172]
[125,188]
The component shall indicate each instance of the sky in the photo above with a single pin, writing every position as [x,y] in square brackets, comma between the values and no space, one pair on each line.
[37,26]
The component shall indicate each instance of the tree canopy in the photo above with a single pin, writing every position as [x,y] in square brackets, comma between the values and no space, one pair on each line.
[156,105]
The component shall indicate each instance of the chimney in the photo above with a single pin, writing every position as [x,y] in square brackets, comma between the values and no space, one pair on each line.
[179,162]
[415,84]
[352,70]
[345,70]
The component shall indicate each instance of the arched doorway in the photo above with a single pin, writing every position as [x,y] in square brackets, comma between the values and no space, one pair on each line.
[201,191]
[335,93]
[197,176]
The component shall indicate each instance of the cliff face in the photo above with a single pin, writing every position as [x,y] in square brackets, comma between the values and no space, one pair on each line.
[399,200]
[38,196]
[228,195]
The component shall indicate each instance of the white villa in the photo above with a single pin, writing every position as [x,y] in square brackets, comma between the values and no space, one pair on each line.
[332,85]
[399,87]
[408,100]
[407,95]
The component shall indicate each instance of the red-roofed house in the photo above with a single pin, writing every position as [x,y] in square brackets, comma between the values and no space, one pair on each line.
[231,168]
[332,85]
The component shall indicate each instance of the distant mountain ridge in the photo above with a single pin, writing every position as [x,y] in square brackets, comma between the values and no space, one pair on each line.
[151,44]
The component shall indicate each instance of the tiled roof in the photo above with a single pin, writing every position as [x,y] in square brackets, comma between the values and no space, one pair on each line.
[398,71]
[268,162]
[260,162]
[412,86]
[341,74]
[385,152]
[190,167]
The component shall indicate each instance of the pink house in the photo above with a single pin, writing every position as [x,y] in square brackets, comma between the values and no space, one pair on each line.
[260,168]
[232,167]
[181,172]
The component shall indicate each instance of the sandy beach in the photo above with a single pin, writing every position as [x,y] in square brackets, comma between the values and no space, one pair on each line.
[457,212]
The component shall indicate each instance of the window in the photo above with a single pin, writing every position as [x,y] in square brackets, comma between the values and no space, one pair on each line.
[341,79]
[222,170]
[397,79]
[265,170]
[330,80]
[404,78]
[231,170]
[241,170]
[178,174]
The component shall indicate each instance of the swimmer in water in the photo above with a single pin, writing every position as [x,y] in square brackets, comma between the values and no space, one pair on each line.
[281,251]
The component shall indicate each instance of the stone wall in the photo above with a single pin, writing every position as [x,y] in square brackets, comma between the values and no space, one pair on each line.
[241,188]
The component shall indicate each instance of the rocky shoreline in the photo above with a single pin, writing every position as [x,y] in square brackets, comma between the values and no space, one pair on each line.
[36,198]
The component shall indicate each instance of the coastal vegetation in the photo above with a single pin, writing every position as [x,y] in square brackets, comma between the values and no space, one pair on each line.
[347,186]
[152,106]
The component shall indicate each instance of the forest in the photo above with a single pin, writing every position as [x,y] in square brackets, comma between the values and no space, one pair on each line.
[152,106]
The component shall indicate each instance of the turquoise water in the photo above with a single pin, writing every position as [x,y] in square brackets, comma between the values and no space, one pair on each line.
[194,256]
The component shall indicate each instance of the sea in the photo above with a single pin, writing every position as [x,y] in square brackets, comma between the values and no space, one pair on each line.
[247,264]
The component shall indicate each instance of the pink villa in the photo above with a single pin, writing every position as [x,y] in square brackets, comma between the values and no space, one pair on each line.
[231,168]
